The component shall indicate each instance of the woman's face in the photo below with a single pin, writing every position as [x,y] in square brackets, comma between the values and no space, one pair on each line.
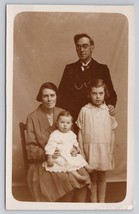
[48,98]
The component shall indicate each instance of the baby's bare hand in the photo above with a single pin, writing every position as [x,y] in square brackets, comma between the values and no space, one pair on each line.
[56,154]
[50,164]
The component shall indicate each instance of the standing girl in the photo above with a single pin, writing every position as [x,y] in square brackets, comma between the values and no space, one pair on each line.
[96,137]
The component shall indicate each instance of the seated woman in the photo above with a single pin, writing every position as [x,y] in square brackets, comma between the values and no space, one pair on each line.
[45,185]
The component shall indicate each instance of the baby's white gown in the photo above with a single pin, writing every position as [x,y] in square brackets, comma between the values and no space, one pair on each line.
[65,162]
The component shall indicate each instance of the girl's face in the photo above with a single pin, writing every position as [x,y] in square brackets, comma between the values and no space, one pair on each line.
[97,95]
[64,123]
[48,98]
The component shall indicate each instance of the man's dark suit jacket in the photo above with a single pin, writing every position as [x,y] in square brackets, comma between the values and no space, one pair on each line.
[72,91]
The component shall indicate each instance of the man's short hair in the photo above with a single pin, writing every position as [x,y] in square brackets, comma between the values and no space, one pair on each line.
[79,36]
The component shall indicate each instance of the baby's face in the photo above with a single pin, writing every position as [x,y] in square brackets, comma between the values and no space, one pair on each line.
[64,123]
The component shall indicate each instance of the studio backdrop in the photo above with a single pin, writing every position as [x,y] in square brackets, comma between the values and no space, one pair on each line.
[43,44]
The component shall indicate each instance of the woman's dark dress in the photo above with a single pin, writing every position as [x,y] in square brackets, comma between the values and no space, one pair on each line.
[46,186]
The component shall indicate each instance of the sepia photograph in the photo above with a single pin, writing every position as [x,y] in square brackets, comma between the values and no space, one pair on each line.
[70,107]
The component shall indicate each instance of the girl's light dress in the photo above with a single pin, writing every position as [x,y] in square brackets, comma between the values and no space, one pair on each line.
[97,126]
[65,162]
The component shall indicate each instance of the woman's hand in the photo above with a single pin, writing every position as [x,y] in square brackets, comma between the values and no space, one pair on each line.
[78,149]
[74,152]
[35,152]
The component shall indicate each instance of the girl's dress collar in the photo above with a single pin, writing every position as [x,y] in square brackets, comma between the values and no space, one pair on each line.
[103,106]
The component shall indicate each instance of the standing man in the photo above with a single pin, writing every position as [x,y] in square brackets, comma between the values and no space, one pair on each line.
[72,91]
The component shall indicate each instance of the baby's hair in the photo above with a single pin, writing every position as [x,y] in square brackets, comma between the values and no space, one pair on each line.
[66,114]
[98,83]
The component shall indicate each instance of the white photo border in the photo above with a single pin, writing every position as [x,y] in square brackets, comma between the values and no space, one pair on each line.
[128,202]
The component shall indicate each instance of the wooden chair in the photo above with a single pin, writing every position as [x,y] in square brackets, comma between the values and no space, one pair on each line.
[22,127]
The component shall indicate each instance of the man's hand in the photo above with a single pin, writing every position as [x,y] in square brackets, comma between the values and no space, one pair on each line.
[111,110]
[74,152]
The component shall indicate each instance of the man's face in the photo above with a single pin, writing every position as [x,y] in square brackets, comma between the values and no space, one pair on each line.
[84,49]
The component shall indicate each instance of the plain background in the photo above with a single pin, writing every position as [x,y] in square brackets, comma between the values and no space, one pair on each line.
[2,84]
[43,45]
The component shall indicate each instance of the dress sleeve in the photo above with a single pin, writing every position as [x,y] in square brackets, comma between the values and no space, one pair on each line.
[34,151]
[51,145]
[31,136]
[114,123]
[79,121]
[76,144]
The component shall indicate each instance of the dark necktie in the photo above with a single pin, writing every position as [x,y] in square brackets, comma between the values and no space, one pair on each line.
[85,67]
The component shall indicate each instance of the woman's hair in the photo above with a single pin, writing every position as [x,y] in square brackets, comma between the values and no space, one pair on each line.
[79,36]
[48,85]
[66,114]
[98,83]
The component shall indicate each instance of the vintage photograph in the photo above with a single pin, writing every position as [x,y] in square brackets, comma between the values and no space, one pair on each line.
[69,133]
